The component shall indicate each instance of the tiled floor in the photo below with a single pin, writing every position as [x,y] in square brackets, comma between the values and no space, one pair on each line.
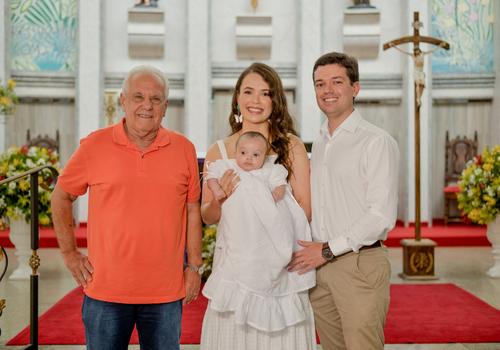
[463,266]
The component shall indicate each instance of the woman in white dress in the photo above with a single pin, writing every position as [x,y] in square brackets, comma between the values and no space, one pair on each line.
[239,316]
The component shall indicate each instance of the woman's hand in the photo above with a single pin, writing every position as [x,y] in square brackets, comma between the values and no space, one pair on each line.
[228,183]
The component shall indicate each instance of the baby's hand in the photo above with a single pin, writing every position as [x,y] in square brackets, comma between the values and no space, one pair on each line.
[279,193]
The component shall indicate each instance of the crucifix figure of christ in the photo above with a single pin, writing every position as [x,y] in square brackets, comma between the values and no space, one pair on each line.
[419,85]
[254,4]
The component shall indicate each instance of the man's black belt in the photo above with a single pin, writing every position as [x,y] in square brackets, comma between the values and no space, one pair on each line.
[377,244]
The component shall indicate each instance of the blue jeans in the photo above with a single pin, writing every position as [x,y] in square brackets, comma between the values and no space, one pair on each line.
[108,326]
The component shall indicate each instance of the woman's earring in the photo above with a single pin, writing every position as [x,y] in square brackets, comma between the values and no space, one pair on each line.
[238,118]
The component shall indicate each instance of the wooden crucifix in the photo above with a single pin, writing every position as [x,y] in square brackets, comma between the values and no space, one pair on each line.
[417,260]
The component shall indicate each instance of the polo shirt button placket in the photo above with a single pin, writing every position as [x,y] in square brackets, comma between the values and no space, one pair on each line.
[141,164]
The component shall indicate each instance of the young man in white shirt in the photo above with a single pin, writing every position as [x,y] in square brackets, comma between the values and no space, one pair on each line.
[354,184]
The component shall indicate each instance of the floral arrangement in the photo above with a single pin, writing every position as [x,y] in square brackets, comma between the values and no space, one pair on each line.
[479,196]
[207,249]
[8,98]
[15,196]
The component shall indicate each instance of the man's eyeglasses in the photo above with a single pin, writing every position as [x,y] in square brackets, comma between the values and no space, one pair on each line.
[155,100]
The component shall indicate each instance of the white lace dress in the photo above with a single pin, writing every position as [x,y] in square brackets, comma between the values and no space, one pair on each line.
[254,302]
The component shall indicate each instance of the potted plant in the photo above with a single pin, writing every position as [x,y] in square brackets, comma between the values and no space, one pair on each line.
[15,198]
[479,197]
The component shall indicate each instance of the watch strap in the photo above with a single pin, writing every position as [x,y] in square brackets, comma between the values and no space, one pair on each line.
[195,268]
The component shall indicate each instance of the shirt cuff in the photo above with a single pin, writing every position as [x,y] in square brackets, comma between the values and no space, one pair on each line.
[339,246]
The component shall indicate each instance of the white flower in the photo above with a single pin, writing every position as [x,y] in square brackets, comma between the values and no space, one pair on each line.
[478,171]
[30,163]
[11,151]
[490,191]
[32,152]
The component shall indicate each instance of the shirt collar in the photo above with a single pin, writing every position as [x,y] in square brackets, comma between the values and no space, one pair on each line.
[121,138]
[350,124]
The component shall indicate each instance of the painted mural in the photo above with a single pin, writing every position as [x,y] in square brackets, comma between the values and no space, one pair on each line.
[44,35]
[468,26]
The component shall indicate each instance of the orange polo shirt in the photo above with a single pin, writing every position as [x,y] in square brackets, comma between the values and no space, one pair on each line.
[136,229]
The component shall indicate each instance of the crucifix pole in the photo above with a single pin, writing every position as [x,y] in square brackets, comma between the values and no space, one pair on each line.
[418,254]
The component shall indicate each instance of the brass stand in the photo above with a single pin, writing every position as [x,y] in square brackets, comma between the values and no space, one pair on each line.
[418,259]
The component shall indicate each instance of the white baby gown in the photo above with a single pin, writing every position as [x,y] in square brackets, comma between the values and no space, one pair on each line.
[253,299]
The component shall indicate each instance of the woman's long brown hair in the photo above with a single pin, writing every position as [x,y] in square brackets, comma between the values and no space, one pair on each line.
[280,122]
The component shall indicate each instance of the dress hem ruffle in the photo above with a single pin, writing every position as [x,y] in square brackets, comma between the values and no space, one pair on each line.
[268,313]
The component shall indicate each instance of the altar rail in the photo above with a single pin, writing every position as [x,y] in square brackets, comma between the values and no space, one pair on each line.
[34,260]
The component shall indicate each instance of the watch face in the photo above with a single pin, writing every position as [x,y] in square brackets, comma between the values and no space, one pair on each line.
[327,253]
[198,269]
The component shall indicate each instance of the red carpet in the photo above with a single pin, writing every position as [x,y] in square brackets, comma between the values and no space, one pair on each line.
[453,235]
[419,313]
[62,323]
[445,236]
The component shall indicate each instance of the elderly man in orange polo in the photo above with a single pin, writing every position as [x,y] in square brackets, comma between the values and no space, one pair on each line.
[144,213]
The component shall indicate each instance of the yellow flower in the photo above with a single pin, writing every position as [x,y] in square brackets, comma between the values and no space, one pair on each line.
[488,166]
[210,231]
[11,84]
[469,170]
[5,101]
[8,98]
[44,220]
[24,184]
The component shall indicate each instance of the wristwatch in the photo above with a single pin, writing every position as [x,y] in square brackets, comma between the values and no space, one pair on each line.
[195,268]
[326,252]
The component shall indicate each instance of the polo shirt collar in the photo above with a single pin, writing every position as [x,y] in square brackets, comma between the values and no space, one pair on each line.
[120,137]
[350,124]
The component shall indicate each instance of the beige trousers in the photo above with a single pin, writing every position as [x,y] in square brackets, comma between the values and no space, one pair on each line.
[351,299]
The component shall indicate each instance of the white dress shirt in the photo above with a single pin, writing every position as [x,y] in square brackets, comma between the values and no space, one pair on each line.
[354,184]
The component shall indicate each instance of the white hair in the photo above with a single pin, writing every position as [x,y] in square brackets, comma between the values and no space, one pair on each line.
[148,70]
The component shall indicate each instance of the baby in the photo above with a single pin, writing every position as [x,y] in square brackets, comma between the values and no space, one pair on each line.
[251,151]
[257,233]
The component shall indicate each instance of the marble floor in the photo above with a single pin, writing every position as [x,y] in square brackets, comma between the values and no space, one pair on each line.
[463,266]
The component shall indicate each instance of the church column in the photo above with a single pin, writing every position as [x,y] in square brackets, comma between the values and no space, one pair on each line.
[4,54]
[197,89]
[494,138]
[89,82]
[309,48]
[408,109]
